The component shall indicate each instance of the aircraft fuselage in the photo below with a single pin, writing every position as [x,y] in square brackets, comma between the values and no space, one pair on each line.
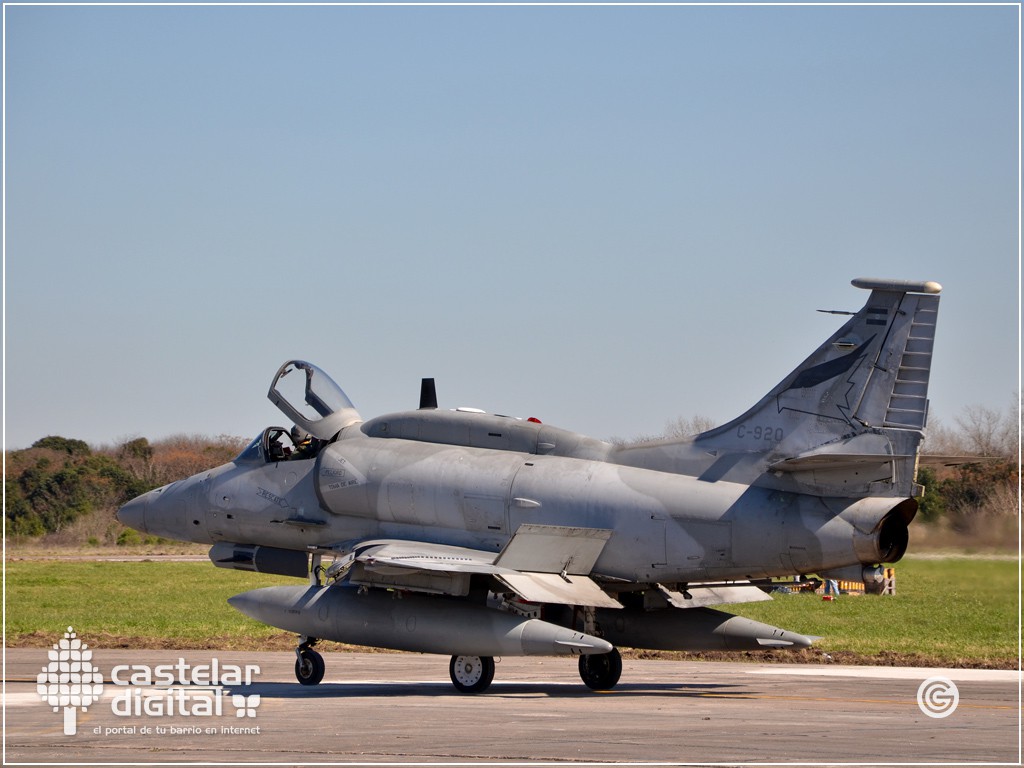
[665,527]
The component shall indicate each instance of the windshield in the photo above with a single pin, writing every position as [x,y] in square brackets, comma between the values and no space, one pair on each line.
[251,452]
[311,399]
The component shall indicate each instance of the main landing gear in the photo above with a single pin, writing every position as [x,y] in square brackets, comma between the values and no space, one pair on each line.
[601,672]
[473,674]
[309,665]
[470,674]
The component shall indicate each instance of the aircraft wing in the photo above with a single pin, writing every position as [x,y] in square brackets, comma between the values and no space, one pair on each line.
[387,555]
[542,564]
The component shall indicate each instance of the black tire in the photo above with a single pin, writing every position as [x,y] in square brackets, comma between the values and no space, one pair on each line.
[309,667]
[471,674]
[600,672]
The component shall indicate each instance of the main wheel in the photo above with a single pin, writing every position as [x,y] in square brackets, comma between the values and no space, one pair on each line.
[471,674]
[600,672]
[309,667]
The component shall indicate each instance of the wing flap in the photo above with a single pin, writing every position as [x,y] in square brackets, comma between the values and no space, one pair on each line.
[555,588]
[554,549]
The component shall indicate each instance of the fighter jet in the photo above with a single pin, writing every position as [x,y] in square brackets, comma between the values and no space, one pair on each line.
[473,535]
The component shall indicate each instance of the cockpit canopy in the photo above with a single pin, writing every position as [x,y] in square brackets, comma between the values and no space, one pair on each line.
[311,400]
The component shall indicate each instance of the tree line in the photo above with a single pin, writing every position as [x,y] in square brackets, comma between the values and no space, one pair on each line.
[972,494]
[59,480]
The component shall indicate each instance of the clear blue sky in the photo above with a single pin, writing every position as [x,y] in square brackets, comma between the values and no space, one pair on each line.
[605,217]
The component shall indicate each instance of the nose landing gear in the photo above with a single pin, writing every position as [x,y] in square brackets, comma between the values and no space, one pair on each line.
[309,665]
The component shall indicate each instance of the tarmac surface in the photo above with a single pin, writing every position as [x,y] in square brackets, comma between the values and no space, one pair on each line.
[402,708]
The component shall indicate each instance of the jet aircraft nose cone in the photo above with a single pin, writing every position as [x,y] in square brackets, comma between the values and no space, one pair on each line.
[174,511]
[133,514]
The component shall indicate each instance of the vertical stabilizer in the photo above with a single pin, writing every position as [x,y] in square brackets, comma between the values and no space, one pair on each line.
[873,372]
[846,421]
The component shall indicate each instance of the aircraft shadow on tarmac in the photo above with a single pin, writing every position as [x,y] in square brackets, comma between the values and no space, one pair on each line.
[389,689]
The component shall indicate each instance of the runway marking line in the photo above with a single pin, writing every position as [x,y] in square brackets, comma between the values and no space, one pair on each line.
[843,700]
[20,699]
[770,697]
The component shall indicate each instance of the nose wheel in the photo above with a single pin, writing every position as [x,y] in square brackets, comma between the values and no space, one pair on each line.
[309,665]
[471,674]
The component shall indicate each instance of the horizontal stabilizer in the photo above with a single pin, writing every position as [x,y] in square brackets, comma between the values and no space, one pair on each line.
[936,460]
[832,461]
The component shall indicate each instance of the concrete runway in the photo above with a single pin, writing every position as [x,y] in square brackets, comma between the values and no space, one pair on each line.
[402,708]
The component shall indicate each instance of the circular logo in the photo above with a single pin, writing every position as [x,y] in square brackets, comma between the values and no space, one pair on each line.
[938,697]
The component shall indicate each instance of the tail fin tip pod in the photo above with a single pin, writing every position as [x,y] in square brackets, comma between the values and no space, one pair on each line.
[903,286]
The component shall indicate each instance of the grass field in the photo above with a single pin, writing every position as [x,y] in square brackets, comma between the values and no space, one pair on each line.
[949,612]
[956,610]
[151,604]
